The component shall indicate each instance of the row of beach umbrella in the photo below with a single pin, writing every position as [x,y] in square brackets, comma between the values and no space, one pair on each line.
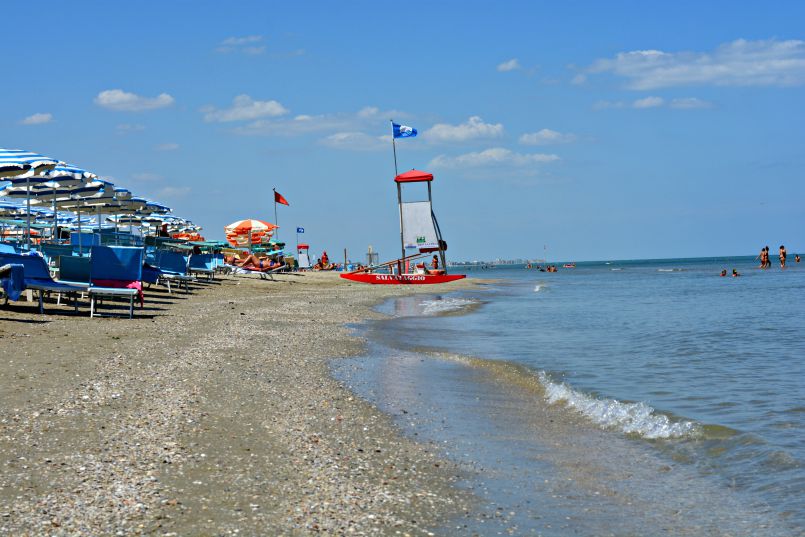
[51,187]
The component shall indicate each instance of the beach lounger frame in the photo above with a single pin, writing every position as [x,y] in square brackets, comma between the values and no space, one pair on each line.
[264,274]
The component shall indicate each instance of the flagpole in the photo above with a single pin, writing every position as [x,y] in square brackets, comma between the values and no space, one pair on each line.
[394,148]
[276,222]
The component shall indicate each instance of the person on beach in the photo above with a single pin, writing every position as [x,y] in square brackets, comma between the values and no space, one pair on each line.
[783,255]
[735,273]
[252,262]
[325,259]
[762,258]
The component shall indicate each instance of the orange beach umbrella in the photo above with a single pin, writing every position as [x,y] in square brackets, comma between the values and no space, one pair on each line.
[248,232]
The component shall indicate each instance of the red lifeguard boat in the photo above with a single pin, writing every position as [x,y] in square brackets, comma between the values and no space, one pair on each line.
[419,231]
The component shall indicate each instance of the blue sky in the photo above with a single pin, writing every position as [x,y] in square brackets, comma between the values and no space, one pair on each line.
[624,130]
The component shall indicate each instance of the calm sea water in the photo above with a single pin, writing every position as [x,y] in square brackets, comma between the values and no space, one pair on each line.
[612,398]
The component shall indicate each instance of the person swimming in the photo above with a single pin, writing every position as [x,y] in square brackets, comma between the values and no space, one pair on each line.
[735,273]
[724,272]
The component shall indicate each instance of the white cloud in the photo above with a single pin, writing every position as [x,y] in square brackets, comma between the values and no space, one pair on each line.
[603,105]
[367,119]
[473,129]
[37,119]
[244,108]
[117,99]
[739,63]
[249,44]
[239,41]
[127,128]
[170,146]
[496,156]
[546,137]
[173,192]
[356,141]
[648,102]
[509,65]
[375,113]
[689,103]
[579,79]
[146,177]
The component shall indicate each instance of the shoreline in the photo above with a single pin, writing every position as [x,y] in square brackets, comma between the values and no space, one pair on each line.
[211,413]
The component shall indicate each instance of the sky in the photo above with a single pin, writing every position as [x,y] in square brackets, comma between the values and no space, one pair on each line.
[587,130]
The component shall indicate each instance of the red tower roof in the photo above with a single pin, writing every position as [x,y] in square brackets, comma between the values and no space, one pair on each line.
[414,176]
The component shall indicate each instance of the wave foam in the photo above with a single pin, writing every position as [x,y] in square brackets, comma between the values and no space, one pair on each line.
[445,305]
[630,418]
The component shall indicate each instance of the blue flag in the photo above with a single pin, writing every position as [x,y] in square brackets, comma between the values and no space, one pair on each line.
[300,230]
[402,131]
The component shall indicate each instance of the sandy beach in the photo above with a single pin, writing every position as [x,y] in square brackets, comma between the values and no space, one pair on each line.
[210,413]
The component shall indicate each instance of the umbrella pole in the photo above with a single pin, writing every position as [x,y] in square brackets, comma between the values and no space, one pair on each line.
[78,212]
[55,220]
[28,209]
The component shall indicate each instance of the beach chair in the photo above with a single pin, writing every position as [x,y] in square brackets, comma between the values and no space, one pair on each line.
[115,271]
[173,267]
[150,273]
[74,270]
[264,274]
[201,264]
[36,276]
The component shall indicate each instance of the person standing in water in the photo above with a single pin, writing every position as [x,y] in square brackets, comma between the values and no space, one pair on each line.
[762,258]
[783,255]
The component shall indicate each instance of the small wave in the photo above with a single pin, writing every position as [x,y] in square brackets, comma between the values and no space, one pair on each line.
[669,270]
[445,305]
[539,287]
[630,418]
[616,268]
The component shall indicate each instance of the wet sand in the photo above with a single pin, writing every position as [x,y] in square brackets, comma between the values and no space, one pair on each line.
[210,413]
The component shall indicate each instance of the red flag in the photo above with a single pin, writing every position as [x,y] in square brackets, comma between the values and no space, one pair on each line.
[279,199]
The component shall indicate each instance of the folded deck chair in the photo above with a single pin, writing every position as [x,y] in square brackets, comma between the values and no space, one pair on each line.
[201,264]
[36,276]
[116,271]
[173,267]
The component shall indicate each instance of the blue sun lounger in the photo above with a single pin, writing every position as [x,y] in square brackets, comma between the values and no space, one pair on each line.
[173,267]
[36,276]
[201,264]
[115,271]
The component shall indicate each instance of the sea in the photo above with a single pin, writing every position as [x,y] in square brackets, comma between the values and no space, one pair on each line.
[643,397]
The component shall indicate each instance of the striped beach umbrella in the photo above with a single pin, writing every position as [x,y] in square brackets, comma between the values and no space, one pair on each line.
[29,168]
[19,164]
[245,233]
